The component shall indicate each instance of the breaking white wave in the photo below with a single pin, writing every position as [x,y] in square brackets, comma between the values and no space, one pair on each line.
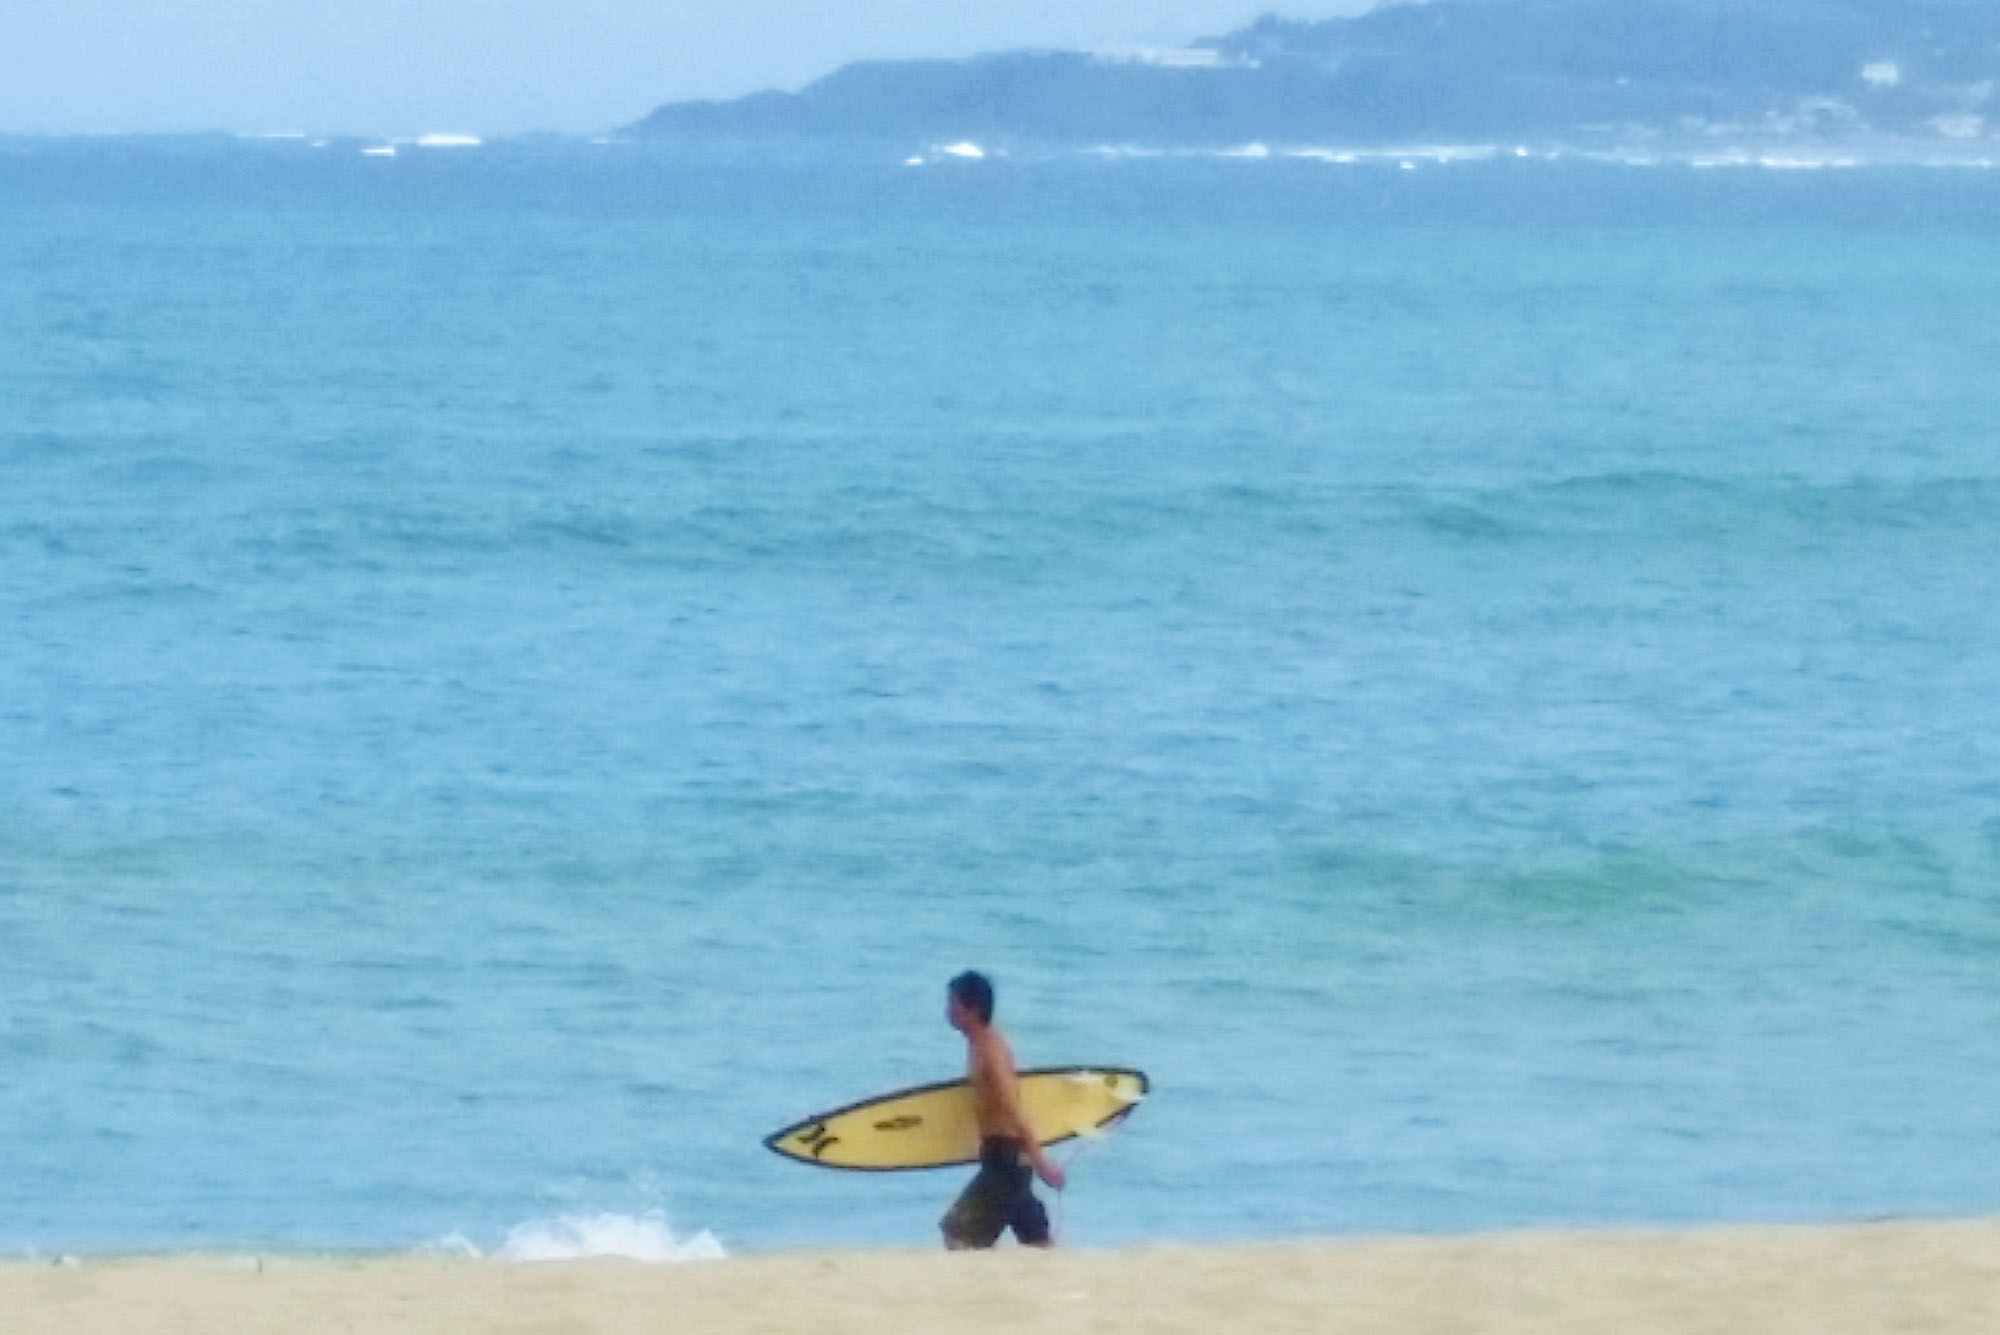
[1882,74]
[636,1238]
[1439,153]
[1776,153]
[1959,125]
[646,1238]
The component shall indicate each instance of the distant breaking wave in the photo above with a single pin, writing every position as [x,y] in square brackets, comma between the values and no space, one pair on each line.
[1775,155]
[1772,157]
[1706,152]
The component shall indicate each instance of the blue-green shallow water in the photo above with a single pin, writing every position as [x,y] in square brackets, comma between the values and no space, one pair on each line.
[522,672]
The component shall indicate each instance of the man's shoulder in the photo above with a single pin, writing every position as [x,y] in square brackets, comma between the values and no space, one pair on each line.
[998,1051]
[990,1048]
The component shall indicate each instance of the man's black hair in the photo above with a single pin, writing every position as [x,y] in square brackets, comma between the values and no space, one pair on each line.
[974,993]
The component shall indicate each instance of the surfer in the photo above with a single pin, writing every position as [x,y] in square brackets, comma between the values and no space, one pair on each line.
[1002,1195]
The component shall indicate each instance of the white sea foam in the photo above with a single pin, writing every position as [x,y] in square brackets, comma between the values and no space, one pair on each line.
[1773,152]
[963,149]
[1882,74]
[645,1237]
[1959,125]
[1789,160]
[447,141]
[1122,151]
[575,1237]
[379,151]
[1462,152]
[1439,153]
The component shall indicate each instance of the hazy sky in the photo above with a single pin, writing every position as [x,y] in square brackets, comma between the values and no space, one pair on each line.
[497,66]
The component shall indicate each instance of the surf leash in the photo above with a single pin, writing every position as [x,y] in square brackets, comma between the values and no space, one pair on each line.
[1085,1140]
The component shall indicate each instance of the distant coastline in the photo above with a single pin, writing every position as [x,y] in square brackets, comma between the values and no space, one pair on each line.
[1681,73]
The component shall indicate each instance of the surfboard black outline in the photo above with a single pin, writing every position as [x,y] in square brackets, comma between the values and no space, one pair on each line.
[771,1141]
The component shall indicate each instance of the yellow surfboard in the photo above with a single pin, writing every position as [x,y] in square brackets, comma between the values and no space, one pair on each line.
[931,1126]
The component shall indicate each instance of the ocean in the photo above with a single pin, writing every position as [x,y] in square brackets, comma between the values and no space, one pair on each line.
[524,668]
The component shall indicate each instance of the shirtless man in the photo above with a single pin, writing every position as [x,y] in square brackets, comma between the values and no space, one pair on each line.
[1002,1196]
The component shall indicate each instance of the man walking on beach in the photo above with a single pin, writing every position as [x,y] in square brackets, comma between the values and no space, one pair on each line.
[1002,1196]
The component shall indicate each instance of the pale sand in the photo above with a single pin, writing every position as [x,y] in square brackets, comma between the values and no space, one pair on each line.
[1900,1277]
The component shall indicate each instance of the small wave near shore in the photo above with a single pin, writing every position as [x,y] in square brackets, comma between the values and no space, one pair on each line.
[644,1237]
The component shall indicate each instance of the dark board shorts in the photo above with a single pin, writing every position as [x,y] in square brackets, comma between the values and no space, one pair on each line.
[1000,1197]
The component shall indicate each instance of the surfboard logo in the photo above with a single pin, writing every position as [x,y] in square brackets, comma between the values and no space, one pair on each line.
[903,1123]
[815,1139]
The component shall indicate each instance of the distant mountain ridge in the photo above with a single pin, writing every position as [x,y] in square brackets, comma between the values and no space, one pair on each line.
[1459,69]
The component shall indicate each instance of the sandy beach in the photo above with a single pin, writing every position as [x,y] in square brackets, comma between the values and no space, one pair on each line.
[1842,1280]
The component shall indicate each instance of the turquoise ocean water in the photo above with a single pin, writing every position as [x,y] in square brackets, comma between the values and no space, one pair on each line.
[524,669]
